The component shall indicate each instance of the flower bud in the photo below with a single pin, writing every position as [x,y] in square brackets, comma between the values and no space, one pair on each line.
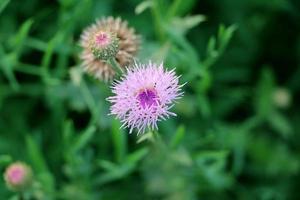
[128,46]
[282,98]
[18,176]
[104,45]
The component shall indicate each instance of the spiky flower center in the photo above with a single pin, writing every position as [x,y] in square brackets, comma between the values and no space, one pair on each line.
[102,39]
[104,45]
[147,98]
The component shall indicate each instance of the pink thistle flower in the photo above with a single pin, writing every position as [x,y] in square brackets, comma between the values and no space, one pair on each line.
[108,37]
[144,96]
[18,176]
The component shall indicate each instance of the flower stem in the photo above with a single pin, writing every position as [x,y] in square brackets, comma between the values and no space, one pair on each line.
[21,196]
[115,65]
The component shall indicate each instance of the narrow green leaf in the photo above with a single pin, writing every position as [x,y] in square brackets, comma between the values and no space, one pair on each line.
[84,138]
[7,62]
[192,21]
[211,47]
[47,59]
[19,39]
[143,6]
[116,174]
[3,4]
[119,139]
[28,69]
[204,105]
[217,46]
[180,7]
[89,100]
[137,155]
[36,43]
[35,155]
[280,124]
[107,165]
[225,36]
[173,8]
[183,25]
[221,31]
[264,91]
[67,133]
[178,136]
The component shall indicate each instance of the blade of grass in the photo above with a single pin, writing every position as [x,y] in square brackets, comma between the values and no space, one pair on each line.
[35,155]
[3,4]
[21,36]
[6,64]
[39,165]
[84,139]
[143,6]
[119,140]
[90,101]
[177,138]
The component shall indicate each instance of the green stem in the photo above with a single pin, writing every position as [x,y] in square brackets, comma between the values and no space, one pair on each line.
[115,65]
[90,101]
[21,196]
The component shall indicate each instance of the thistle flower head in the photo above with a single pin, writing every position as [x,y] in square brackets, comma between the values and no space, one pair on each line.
[108,37]
[104,45]
[144,96]
[18,176]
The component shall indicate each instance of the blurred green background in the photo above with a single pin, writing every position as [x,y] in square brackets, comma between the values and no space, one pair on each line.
[236,135]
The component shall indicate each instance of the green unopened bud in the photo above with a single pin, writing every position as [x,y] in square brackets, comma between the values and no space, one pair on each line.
[18,176]
[104,45]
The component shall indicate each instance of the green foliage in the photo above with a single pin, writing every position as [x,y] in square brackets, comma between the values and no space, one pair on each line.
[236,136]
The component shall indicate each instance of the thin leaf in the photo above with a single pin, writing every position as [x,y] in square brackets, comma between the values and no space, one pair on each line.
[280,124]
[84,139]
[107,165]
[264,93]
[137,155]
[3,5]
[67,133]
[143,6]
[186,23]
[35,155]
[177,138]
[119,140]
[19,39]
